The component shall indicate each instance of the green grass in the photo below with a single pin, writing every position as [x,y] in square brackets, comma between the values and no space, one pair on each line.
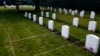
[17,27]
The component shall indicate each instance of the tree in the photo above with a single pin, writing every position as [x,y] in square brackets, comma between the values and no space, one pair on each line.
[37,5]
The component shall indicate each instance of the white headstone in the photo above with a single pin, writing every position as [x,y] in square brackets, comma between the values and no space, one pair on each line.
[65,31]
[92,26]
[25,14]
[47,14]
[51,8]
[55,10]
[82,13]
[42,8]
[75,22]
[29,15]
[34,18]
[54,16]
[66,12]
[48,8]
[73,13]
[92,43]
[70,10]
[92,15]
[51,24]
[64,9]
[42,13]
[41,20]
[76,11]
[60,10]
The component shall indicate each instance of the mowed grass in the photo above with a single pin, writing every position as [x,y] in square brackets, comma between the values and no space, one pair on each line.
[31,39]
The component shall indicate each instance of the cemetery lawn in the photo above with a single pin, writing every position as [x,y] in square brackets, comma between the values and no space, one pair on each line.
[19,36]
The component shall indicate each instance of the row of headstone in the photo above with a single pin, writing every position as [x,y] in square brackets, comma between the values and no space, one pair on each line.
[73,12]
[10,6]
[91,26]
[47,15]
[92,41]
[92,14]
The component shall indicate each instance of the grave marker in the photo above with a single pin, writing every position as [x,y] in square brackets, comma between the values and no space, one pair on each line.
[92,15]
[42,13]
[41,20]
[70,10]
[25,14]
[65,11]
[73,13]
[48,8]
[82,13]
[75,22]
[76,11]
[47,14]
[34,18]
[60,10]
[51,8]
[55,10]
[92,26]
[29,15]
[54,16]
[51,25]
[65,31]
[92,43]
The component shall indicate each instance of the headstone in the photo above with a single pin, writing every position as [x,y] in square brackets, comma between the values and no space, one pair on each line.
[70,10]
[92,15]
[51,24]
[25,14]
[29,15]
[92,43]
[64,9]
[41,20]
[42,8]
[75,22]
[54,16]
[60,10]
[48,8]
[34,18]
[42,13]
[47,14]
[82,13]
[66,12]
[76,11]
[65,31]
[92,26]
[55,10]
[73,13]
[51,8]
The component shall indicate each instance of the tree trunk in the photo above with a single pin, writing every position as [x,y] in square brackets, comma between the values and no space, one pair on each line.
[17,7]
[37,5]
